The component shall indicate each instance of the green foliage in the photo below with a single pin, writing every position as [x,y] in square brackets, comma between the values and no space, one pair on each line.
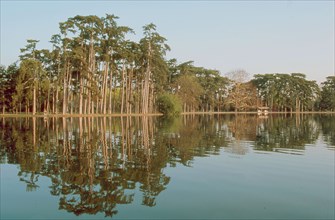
[29,50]
[327,101]
[286,91]
[30,76]
[7,86]
[153,49]
[189,90]
[198,88]
[169,104]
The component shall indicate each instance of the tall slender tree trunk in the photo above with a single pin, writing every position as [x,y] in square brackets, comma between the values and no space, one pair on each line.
[104,110]
[56,101]
[114,100]
[81,96]
[110,81]
[123,85]
[71,99]
[85,106]
[138,102]
[110,91]
[151,99]
[129,91]
[53,102]
[147,79]
[64,93]
[34,99]
[48,101]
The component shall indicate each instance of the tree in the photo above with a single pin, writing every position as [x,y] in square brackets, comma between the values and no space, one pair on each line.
[215,88]
[284,92]
[155,69]
[327,100]
[27,84]
[242,95]
[3,84]
[238,76]
[207,88]
[29,50]
[30,67]
[94,68]
[7,86]
[189,91]
[112,43]
[169,104]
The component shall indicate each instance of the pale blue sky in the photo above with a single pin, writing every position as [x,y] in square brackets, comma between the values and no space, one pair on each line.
[258,36]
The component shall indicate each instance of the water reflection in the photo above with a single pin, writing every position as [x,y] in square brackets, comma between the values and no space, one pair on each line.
[327,124]
[95,164]
[287,134]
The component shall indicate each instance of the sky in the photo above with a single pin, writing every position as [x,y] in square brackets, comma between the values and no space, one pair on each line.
[257,36]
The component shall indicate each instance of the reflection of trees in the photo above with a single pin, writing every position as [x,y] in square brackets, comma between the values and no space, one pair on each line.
[193,136]
[97,163]
[327,123]
[109,164]
[286,132]
[242,130]
[93,163]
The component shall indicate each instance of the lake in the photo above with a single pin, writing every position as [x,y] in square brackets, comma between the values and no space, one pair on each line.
[203,167]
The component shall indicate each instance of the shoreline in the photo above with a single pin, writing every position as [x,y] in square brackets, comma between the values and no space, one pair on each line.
[8,115]
[253,113]
[11,115]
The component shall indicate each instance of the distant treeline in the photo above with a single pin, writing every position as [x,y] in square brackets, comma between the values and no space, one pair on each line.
[93,68]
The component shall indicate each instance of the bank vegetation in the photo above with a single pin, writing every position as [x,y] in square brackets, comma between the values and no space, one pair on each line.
[94,68]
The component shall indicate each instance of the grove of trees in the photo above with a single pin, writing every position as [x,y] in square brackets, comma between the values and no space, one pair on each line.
[94,68]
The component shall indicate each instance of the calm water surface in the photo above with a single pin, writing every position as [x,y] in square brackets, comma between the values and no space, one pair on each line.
[191,167]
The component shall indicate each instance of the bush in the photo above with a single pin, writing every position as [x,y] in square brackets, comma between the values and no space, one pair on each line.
[169,104]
